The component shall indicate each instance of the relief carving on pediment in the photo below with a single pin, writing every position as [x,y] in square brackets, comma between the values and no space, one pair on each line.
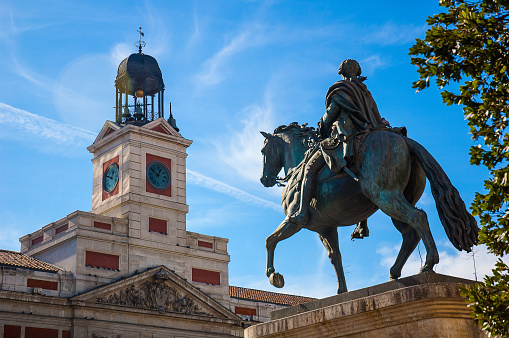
[154,295]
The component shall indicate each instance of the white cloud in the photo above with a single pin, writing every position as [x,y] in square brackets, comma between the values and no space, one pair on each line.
[393,34]
[119,52]
[156,29]
[25,21]
[213,67]
[84,93]
[426,200]
[452,262]
[241,149]
[10,237]
[198,179]
[371,64]
[30,75]
[41,127]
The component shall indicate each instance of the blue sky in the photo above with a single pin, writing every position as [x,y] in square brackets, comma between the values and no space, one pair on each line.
[231,69]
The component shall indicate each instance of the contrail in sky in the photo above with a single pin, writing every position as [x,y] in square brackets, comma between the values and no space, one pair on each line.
[195,178]
[63,133]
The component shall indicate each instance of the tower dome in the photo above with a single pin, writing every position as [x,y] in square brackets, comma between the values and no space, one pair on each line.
[140,89]
[140,72]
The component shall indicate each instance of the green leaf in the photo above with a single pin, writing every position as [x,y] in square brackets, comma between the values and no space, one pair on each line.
[468,45]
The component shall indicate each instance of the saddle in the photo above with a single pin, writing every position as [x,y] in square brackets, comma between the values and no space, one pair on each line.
[337,153]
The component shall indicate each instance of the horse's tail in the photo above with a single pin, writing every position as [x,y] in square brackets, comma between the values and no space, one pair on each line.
[460,226]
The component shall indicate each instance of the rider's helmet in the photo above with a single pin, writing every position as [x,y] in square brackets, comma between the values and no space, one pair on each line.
[349,68]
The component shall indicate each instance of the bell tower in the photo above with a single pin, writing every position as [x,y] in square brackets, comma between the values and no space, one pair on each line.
[139,208]
[140,159]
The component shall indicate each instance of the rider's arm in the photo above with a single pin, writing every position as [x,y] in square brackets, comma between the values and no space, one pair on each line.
[330,116]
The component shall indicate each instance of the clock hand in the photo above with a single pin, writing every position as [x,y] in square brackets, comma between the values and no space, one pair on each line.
[154,171]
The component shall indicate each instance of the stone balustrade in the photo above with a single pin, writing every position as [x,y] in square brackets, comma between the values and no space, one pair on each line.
[72,222]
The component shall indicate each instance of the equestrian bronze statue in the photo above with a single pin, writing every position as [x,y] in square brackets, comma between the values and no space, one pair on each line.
[355,164]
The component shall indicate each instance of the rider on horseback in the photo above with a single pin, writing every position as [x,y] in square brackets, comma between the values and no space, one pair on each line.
[350,110]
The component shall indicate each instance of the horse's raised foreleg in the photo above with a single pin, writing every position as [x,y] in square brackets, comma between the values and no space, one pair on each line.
[285,229]
[410,241]
[394,204]
[329,239]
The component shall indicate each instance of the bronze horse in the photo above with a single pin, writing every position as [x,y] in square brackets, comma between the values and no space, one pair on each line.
[392,171]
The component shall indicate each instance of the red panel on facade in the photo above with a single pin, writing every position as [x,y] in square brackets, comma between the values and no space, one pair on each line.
[205,244]
[101,260]
[40,332]
[102,225]
[160,129]
[44,284]
[114,191]
[206,276]
[61,229]
[37,240]
[167,163]
[12,331]
[158,225]
[245,311]
[66,334]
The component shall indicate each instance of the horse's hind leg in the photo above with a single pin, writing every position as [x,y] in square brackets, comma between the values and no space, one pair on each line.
[410,241]
[394,204]
[329,239]
[283,231]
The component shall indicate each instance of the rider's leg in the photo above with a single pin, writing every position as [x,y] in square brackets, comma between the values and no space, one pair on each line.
[315,163]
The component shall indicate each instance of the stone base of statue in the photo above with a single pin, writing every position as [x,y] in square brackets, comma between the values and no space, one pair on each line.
[424,305]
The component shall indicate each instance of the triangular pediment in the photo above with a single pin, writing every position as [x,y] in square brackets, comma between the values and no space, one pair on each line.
[162,126]
[158,289]
[107,129]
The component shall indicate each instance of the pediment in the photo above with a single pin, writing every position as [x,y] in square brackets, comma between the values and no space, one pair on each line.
[107,129]
[162,126]
[159,289]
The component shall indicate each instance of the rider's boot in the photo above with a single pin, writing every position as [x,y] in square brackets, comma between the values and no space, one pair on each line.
[361,230]
[301,217]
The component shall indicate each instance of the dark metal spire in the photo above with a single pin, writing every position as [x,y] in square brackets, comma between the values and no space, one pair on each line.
[140,44]
[172,121]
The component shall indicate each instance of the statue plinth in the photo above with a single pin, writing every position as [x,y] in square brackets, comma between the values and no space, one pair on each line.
[424,305]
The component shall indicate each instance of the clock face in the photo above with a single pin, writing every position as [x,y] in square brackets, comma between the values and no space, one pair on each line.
[110,179]
[158,175]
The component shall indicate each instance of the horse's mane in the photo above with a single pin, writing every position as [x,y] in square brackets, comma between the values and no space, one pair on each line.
[294,125]
[301,130]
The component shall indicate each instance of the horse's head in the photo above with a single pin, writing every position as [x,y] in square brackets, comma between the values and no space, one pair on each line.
[272,152]
[285,148]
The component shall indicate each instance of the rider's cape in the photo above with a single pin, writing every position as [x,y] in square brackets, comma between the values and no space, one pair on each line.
[354,97]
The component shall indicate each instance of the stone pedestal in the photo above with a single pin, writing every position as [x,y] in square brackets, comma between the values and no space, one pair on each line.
[424,305]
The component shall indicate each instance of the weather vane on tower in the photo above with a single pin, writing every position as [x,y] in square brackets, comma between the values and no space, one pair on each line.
[140,44]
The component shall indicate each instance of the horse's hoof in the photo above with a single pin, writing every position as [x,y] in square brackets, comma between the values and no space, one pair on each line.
[391,278]
[277,280]
[426,269]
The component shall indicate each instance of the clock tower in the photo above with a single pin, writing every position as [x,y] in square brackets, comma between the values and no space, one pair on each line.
[138,216]
[139,177]
[139,164]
